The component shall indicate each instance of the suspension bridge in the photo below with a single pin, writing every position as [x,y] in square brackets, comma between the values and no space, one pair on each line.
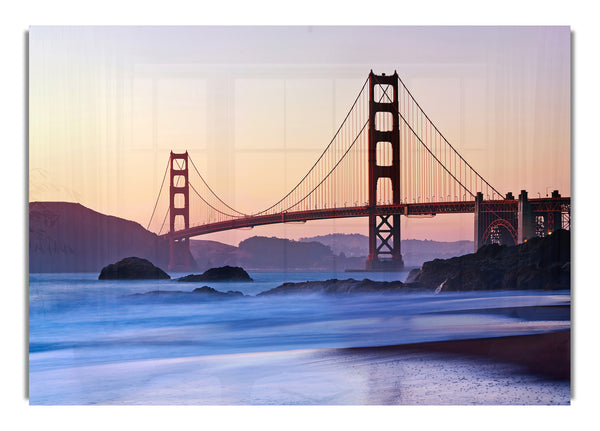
[386,160]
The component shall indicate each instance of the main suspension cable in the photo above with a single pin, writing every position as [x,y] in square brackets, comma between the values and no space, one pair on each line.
[214,194]
[332,169]
[322,154]
[421,141]
[217,210]
[444,138]
[159,192]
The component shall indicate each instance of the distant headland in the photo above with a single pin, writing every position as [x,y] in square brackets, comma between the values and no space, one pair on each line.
[68,237]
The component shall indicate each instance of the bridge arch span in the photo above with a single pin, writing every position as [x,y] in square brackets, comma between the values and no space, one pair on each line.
[503,230]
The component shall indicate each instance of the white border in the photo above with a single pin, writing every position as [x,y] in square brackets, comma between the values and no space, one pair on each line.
[18,16]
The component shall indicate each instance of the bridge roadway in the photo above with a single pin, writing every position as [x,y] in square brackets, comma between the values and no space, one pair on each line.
[407,209]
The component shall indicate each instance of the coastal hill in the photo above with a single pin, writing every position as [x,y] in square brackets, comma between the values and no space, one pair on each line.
[68,237]
[414,251]
[326,252]
[263,253]
[351,245]
[210,254]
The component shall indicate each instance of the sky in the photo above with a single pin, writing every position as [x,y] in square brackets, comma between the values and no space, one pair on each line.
[255,107]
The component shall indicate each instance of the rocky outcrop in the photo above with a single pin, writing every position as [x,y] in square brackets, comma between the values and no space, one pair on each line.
[132,268]
[224,273]
[538,264]
[335,286]
[203,291]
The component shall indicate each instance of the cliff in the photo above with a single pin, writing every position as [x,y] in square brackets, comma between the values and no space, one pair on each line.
[68,237]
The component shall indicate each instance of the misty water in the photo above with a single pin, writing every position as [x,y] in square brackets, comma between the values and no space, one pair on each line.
[94,341]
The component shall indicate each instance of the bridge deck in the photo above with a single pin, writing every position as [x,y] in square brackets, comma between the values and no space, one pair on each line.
[412,209]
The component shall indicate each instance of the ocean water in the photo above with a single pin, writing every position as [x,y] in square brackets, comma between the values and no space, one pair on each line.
[94,341]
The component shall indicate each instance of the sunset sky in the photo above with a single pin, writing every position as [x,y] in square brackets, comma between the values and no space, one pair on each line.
[255,106]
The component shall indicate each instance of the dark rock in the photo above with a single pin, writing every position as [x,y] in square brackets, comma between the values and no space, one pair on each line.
[205,290]
[335,286]
[198,292]
[224,273]
[538,264]
[132,268]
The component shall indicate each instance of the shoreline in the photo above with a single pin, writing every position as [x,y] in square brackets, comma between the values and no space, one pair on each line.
[545,354]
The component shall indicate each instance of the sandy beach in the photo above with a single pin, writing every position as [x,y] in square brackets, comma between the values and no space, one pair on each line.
[547,355]
[517,370]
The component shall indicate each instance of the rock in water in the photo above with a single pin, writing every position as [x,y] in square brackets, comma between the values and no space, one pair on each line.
[336,287]
[132,268]
[199,292]
[224,273]
[205,290]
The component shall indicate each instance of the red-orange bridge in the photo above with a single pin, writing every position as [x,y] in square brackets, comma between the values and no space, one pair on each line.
[386,160]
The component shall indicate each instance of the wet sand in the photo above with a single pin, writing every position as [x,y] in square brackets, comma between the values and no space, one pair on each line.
[517,370]
[547,355]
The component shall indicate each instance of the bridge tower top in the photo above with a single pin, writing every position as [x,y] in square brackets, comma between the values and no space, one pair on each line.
[179,193]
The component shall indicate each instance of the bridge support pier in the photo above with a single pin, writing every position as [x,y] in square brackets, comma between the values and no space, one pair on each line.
[537,222]
[479,222]
[525,219]
[384,239]
[554,218]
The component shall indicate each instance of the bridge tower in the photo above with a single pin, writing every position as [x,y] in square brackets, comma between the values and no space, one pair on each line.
[179,207]
[384,230]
